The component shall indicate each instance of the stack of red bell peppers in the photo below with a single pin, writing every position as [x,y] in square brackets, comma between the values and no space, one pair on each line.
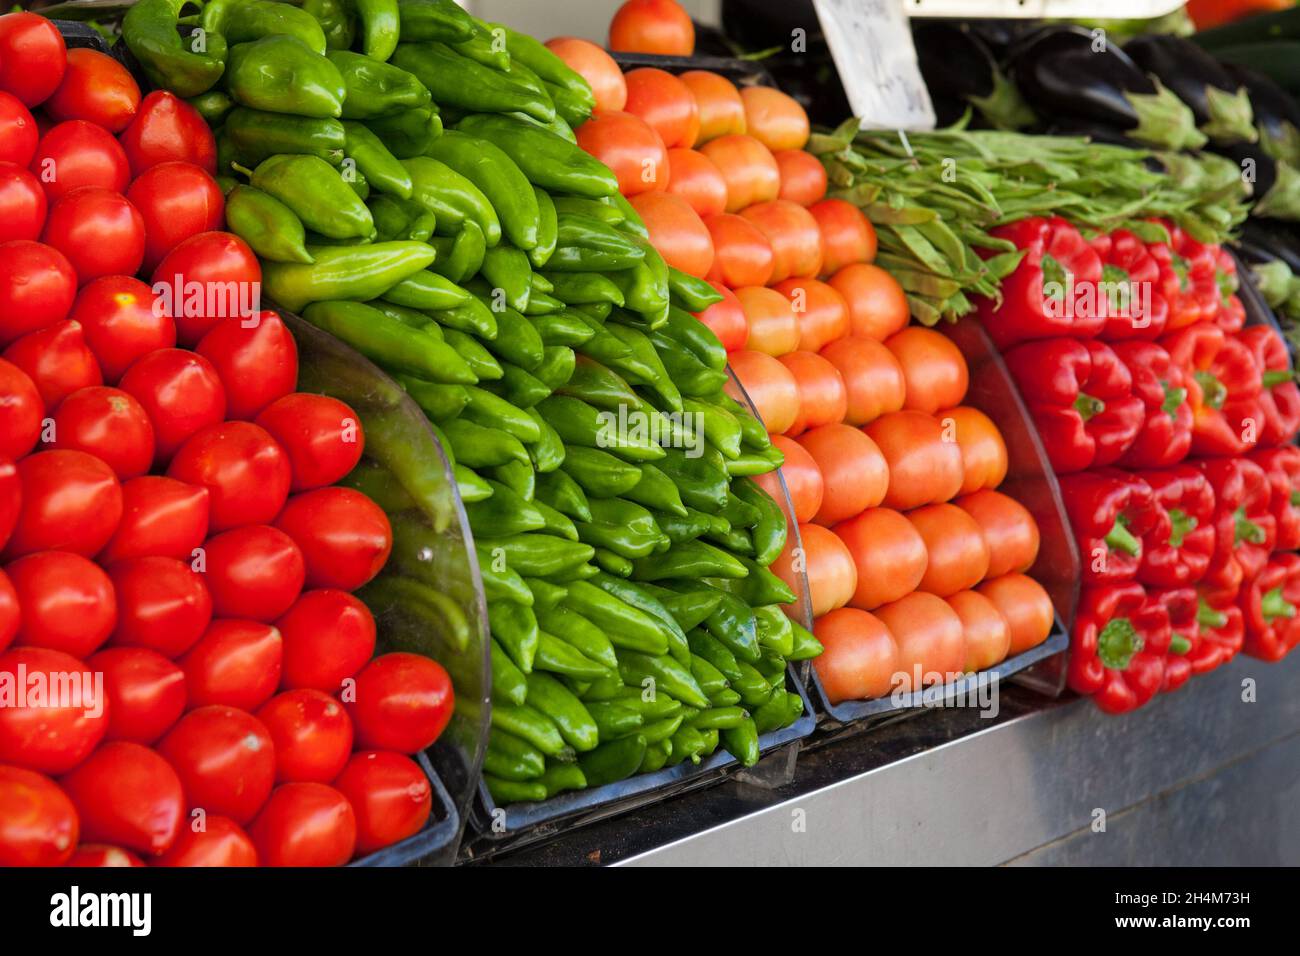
[1170,426]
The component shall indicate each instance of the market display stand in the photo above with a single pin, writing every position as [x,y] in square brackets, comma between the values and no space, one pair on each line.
[1197,777]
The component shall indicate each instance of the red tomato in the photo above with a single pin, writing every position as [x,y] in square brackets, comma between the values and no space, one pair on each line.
[931,641]
[128,795]
[235,664]
[595,66]
[22,204]
[988,635]
[321,435]
[51,734]
[257,365]
[162,605]
[853,470]
[21,414]
[71,502]
[305,824]
[207,278]
[38,823]
[221,842]
[832,577]
[389,793]
[57,360]
[726,319]
[146,693]
[676,231]
[33,57]
[109,424]
[97,88]
[652,26]
[180,392]
[822,312]
[773,327]
[792,231]
[120,323]
[630,147]
[167,128]
[847,235]
[312,734]
[18,132]
[770,386]
[176,200]
[803,177]
[877,303]
[67,602]
[860,656]
[774,118]
[161,517]
[244,469]
[742,255]
[748,167]
[344,536]
[76,154]
[958,556]
[37,286]
[666,103]
[100,855]
[254,572]
[328,636]
[693,176]
[933,367]
[888,552]
[719,104]
[403,702]
[803,479]
[872,377]
[822,398]
[225,760]
[10,612]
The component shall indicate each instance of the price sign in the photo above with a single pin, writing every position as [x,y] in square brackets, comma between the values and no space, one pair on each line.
[872,46]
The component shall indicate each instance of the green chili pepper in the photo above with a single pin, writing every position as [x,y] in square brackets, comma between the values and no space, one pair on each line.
[689,608]
[679,529]
[570,108]
[734,624]
[698,338]
[756,462]
[378,20]
[556,523]
[613,720]
[471,487]
[741,742]
[380,485]
[500,180]
[384,340]
[772,714]
[490,411]
[502,514]
[667,674]
[661,730]
[546,596]
[505,792]
[737,513]
[501,582]
[515,626]
[760,586]
[568,712]
[599,473]
[656,490]
[461,256]
[540,303]
[519,387]
[409,133]
[753,434]
[562,328]
[634,536]
[435,20]
[613,761]
[691,376]
[648,699]
[511,758]
[250,20]
[507,269]
[281,74]
[774,630]
[769,532]
[480,447]
[485,48]
[583,232]
[531,725]
[582,288]
[545,158]
[600,386]
[547,230]
[556,366]
[214,106]
[539,555]
[456,80]
[439,402]
[471,317]
[558,657]
[560,777]
[479,359]
[586,426]
[710,679]
[558,490]
[453,198]
[547,452]
[693,294]
[645,358]
[626,626]
[702,485]
[375,162]
[637,596]
[508,684]
[540,60]
[516,340]
[267,225]
[335,20]
[613,563]
[687,744]
[586,637]
[427,291]
[149,29]
[317,194]
[645,287]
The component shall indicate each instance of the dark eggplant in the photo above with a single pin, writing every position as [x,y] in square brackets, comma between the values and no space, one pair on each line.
[1277,118]
[1097,132]
[1066,73]
[1267,239]
[956,64]
[1221,106]
[1275,183]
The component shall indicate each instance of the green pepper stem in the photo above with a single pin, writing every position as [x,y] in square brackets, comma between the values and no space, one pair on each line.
[1277,376]
[1088,406]
[1174,397]
[1214,392]
[1273,605]
[1119,538]
[1295,498]
[1178,644]
[1246,530]
[1118,642]
[1181,524]
[1207,616]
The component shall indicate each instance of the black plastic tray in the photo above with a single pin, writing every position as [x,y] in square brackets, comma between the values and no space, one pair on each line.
[741,72]
[438,834]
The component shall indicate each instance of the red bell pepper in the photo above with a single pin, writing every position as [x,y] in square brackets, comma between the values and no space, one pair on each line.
[1278,402]
[1187,278]
[1052,292]
[1270,605]
[1222,370]
[1080,397]
[1222,631]
[1134,307]
[1282,466]
[1109,513]
[1166,433]
[1177,548]
[1119,648]
[1244,528]
[1232,313]
[1182,605]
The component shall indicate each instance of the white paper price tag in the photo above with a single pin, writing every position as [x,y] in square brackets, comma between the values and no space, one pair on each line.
[872,46]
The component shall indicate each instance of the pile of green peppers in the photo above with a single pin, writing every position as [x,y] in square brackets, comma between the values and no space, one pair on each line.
[491,266]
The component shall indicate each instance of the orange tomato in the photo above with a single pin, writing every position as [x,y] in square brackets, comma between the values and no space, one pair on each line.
[847,235]
[860,656]
[792,231]
[676,231]
[831,575]
[854,473]
[721,110]
[665,103]
[774,118]
[888,552]
[693,176]
[770,387]
[959,558]
[933,367]
[802,477]
[923,468]
[821,391]
[1025,605]
[595,66]
[742,254]
[877,303]
[873,379]
[822,313]
[983,452]
[747,166]
[1009,530]
[627,145]
[987,633]
[930,641]
[726,319]
[773,327]
[803,179]
[652,26]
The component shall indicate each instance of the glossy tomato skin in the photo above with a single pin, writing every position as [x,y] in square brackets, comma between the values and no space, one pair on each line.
[1025,605]
[933,367]
[257,365]
[676,231]
[50,739]
[321,435]
[877,303]
[726,319]
[958,556]
[872,376]
[305,824]
[225,759]
[181,393]
[983,452]
[161,517]
[847,235]
[176,200]
[254,572]
[774,118]
[100,855]
[693,177]
[221,842]
[389,794]
[328,635]
[721,110]
[33,57]
[96,88]
[931,641]
[822,398]
[652,26]
[22,204]
[664,102]
[9,611]
[792,231]
[888,552]
[162,605]
[748,167]
[855,473]
[769,385]
[923,467]
[403,702]
[773,326]
[166,128]
[68,602]
[630,147]
[988,636]
[312,735]
[803,179]
[860,656]
[235,664]
[109,424]
[803,479]
[127,795]
[146,692]
[57,360]
[596,67]
[18,132]
[76,154]
[832,576]
[822,312]
[21,413]
[38,823]
[120,323]
[194,279]
[742,256]
[344,536]
[1009,530]
[37,286]
[244,469]
[71,502]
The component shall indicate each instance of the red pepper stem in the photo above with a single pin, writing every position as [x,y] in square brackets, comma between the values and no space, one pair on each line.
[1246,530]
[1207,616]
[1178,644]
[1119,538]
[1118,643]
[1214,392]
[1273,605]
[1181,524]
[1276,377]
